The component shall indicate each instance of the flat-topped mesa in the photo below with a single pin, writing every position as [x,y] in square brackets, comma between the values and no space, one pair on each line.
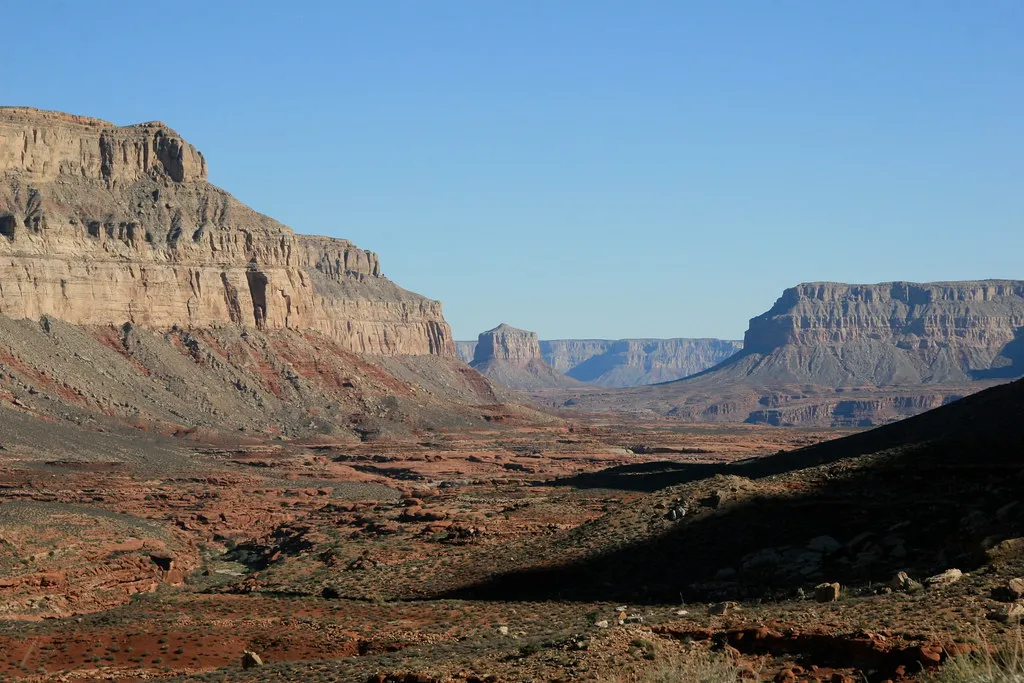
[508,344]
[101,225]
[633,362]
[898,332]
[512,357]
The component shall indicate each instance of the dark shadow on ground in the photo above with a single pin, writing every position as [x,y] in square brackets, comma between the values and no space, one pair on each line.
[941,484]
[996,412]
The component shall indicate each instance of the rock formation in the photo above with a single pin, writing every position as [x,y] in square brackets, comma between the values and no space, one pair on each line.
[839,354]
[103,225]
[626,362]
[634,362]
[888,334]
[512,357]
[132,289]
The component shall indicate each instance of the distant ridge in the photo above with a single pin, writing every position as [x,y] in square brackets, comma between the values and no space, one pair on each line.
[845,354]
[627,362]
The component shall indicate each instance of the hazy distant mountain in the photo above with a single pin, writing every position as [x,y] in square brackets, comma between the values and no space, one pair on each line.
[632,362]
[832,353]
[627,362]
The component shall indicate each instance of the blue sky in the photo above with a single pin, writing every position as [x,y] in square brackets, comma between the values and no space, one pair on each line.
[581,168]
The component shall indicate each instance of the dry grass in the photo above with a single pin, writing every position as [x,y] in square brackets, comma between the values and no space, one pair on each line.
[696,666]
[1004,664]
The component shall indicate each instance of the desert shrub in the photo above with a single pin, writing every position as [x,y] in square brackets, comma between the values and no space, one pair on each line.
[1002,664]
[697,666]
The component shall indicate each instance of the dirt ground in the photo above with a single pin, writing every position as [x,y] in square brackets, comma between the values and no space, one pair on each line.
[583,551]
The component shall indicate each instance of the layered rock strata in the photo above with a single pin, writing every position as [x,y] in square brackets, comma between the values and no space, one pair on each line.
[889,334]
[634,362]
[626,362]
[512,357]
[851,355]
[104,225]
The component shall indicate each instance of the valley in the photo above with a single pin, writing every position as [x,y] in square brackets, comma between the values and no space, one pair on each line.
[233,452]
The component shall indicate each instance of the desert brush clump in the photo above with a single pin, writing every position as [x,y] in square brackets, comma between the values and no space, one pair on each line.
[1001,664]
[696,666]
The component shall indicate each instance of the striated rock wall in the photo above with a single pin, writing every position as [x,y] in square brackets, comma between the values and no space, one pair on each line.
[833,354]
[507,343]
[634,362]
[512,357]
[46,145]
[103,225]
[891,333]
[626,362]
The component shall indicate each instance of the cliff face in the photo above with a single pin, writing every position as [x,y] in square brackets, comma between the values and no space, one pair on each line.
[507,343]
[850,355]
[890,334]
[103,225]
[634,362]
[512,357]
[465,350]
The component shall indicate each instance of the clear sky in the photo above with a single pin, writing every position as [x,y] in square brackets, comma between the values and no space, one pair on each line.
[581,168]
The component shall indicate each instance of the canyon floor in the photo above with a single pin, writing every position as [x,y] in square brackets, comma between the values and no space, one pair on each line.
[583,551]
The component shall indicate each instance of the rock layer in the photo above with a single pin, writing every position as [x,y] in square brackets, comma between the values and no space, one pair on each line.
[104,225]
[634,362]
[626,362]
[890,334]
[851,355]
[512,357]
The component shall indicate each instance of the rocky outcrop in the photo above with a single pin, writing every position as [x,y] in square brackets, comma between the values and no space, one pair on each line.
[465,350]
[626,362]
[512,357]
[103,225]
[889,334]
[851,355]
[634,362]
[508,344]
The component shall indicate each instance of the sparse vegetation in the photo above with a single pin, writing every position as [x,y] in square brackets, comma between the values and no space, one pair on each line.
[696,666]
[1001,664]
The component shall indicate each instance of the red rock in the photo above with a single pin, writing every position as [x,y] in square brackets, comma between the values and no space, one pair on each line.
[929,655]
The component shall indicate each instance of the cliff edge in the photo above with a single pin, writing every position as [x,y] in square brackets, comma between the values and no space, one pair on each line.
[512,357]
[102,225]
[851,355]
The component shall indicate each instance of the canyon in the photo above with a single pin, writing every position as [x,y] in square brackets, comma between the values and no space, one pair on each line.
[233,452]
[627,362]
[848,355]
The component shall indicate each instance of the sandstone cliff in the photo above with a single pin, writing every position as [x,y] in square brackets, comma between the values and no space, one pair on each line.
[889,334]
[512,357]
[103,225]
[634,362]
[839,354]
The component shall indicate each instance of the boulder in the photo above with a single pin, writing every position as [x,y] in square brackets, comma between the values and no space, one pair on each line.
[826,592]
[903,582]
[1011,592]
[946,578]
[251,660]
[1008,614]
